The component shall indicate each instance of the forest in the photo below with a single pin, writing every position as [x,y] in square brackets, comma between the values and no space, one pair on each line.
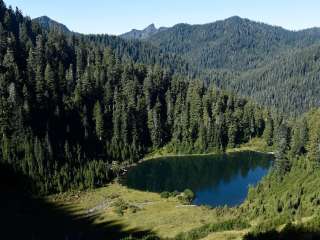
[249,58]
[75,109]
[70,108]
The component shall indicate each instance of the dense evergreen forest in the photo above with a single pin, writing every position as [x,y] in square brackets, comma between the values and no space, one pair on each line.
[250,59]
[75,108]
[290,192]
[234,43]
[71,107]
[236,54]
[125,50]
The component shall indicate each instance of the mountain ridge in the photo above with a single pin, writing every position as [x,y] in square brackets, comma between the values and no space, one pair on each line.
[48,23]
[227,52]
[142,34]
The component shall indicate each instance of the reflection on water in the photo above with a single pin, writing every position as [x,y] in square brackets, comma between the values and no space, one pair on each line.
[216,179]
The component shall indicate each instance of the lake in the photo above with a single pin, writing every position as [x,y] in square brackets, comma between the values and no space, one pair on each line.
[216,180]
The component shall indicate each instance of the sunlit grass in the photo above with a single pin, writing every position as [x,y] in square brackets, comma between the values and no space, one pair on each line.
[167,217]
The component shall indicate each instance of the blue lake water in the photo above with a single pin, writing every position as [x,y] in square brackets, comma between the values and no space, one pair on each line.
[216,180]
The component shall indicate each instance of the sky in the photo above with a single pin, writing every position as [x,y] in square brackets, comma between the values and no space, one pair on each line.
[119,16]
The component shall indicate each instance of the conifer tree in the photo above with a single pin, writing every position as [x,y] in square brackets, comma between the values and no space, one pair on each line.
[98,118]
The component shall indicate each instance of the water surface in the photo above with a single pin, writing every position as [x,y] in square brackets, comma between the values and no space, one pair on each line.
[216,180]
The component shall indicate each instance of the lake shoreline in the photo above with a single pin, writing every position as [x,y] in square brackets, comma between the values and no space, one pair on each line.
[201,174]
[235,150]
[153,206]
[127,167]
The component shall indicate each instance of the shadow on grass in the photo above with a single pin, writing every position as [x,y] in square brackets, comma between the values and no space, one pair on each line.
[25,217]
[290,232]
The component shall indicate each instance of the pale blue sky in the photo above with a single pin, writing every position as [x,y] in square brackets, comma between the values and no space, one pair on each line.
[118,16]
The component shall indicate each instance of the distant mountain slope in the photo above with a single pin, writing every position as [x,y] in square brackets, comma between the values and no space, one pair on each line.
[290,82]
[252,59]
[270,64]
[234,43]
[125,49]
[142,34]
[48,23]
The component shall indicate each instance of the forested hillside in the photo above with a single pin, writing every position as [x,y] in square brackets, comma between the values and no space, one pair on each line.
[240,55]
[235,54]
[125,50]
[289,82]
[290,193]
[77,110]
[234,43]
[70,107]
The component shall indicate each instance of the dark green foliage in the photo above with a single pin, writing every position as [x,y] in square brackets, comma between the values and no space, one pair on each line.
[74,108]
[70,106]
[120,206]
[165,194]
[313,151]
[269,130]
[299,138]
[188,195]
[290,192]
[234,43]
[290,231]
[274,66]
[282,163]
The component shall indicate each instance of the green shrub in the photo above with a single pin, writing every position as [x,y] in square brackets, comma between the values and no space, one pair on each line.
[165,194]
[120,206]
[175,193]
[189,195]
[120,203]
[186,197]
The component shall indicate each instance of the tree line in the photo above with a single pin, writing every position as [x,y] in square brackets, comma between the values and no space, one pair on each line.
[70,107]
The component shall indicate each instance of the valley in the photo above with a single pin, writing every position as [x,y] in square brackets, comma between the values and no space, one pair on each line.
[195,131]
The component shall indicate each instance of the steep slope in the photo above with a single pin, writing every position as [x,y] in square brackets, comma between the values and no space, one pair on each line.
[290,82]
[290,193]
